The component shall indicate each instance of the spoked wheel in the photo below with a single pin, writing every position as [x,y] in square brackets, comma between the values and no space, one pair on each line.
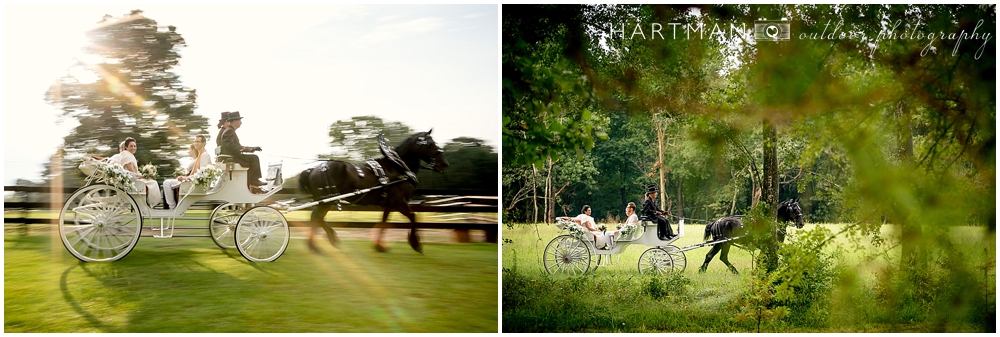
[100,223]
[656,261]
[262,234]
[567,254]
[680,259]
[223,224]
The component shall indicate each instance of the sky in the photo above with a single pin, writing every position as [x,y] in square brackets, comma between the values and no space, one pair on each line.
[291,71]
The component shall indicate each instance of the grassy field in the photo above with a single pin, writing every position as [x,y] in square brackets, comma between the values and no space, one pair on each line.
[616,298]
[191,285]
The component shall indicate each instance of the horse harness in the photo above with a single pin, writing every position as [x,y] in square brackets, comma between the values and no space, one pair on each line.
[329,188]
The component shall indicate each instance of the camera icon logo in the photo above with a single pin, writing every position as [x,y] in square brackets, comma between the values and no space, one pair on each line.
[772,30]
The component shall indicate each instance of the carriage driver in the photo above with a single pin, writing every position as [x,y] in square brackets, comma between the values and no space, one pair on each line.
[231,146]
[651,212]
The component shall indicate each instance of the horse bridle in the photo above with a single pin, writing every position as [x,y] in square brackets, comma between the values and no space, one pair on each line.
[429,165]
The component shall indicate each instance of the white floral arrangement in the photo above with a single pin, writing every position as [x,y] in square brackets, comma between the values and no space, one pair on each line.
[576,230]
[207,177]
[149,171]
[112,173]
[627,230]
[180,171]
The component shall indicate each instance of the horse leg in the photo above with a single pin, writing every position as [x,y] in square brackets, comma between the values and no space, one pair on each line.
[412,238]
[318,219]
[378,230]
[313,224]
[708,258]
[725,258]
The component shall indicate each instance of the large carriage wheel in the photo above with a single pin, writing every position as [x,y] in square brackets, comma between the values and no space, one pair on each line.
[567,254]
[100,223]
[262,234]
[680,259]
[656,261]
[223,224]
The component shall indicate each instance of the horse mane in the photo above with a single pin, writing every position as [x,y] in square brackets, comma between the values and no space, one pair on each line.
[785,210]
[402,149]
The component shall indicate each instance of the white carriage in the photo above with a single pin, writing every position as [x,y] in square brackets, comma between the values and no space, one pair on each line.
[577,249]
[102,222]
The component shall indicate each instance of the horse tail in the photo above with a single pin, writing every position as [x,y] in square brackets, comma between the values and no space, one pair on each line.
[708,230]
[304,186]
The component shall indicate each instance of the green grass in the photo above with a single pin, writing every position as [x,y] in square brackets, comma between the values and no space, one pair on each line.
[617,298]
[191,285]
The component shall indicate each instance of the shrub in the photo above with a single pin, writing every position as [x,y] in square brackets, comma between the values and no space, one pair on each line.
[672,284]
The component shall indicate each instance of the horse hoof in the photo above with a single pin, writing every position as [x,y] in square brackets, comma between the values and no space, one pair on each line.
[313,249]
[702,270]
[415,243]
[335,242]
[381,248]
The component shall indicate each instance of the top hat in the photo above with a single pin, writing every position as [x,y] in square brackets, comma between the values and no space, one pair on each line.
[234,115]
[651,189]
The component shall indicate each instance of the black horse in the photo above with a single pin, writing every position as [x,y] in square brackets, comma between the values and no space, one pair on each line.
[395,172]
[731,227]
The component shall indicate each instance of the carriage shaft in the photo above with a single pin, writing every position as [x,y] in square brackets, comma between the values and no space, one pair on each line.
[687,248]
[331,199]
[338,197]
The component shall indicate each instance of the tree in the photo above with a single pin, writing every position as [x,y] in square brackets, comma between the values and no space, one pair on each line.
[473,166]
[546,94]
[135,94]
[356,139]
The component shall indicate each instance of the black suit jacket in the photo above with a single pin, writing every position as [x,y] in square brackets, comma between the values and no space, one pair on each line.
[230,142]
[649,208]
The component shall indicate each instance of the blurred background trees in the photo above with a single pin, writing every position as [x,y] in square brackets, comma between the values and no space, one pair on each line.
[123,86]
[473,163]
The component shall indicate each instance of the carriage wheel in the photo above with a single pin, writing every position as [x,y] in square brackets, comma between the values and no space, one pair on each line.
[223,224]
[567,254]
[598,263]
[262,234]
[656,261]
[680,259]
[100,223]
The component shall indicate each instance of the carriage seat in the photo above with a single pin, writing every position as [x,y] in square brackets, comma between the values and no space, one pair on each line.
[222,158]
[231,164]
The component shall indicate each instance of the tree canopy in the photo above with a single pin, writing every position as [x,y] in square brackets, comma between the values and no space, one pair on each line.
[124,86]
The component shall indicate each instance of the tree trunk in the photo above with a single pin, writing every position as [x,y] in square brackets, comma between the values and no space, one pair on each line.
[680,198]
[56,182]
[769,185]
[534,193]
[769,192]
[736,191]
[911,232]
[660,137]
[754,188]
[549,201]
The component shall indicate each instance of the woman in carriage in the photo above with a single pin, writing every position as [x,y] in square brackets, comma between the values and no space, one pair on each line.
[602,239]
[126,158]
[201,159]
